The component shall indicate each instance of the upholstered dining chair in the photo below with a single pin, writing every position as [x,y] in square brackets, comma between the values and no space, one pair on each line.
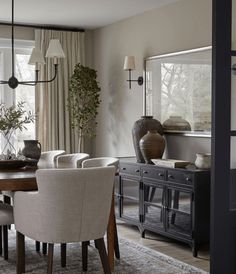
[99,162]
[48,159]
[71,160]
[6,218]
[71,205]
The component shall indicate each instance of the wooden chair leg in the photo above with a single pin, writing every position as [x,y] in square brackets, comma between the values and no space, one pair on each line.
[50,258]
[0,240]
[5,241]
[44,248]
[103,255]
[7,200]
[37,246]
[117,249]
[85,255]
[63,255]
[20,249]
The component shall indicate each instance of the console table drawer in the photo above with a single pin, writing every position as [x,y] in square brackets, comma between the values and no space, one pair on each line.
[153,173]
[180,177]
[131,169]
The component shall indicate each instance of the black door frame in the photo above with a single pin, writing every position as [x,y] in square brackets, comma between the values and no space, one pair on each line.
[223,219]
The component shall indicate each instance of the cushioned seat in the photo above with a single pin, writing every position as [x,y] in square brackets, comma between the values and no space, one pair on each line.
[71,160]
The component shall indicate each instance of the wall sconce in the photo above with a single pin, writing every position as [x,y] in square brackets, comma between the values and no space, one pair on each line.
[130,65]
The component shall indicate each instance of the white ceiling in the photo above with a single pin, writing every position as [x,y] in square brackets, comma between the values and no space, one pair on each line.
[88,14]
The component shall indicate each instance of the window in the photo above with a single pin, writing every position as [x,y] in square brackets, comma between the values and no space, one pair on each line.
[23,71]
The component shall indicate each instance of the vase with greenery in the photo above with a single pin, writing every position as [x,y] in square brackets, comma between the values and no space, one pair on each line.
[83,102]
[13,118]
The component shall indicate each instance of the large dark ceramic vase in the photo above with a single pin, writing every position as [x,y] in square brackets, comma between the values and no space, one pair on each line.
[152,146]
[140,128]
[32,150]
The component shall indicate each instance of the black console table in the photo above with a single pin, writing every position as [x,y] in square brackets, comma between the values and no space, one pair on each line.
[174,202]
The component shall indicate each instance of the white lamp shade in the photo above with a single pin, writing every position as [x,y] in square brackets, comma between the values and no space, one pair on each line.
[129,63]
[55,49]
[36,57]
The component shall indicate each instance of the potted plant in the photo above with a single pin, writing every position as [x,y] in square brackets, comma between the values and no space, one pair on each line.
[13,118]
[83,102]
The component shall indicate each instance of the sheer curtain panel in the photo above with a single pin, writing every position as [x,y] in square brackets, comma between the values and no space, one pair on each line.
[53,127]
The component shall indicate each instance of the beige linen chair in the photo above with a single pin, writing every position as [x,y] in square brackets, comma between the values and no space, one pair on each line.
[70,206]
[99,162]
[48,159]
[68,161]
[6,218]
[71,160]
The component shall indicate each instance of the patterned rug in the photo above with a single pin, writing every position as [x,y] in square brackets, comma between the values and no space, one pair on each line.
[135,259]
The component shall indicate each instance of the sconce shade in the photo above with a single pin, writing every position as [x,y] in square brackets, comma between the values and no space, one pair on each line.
[36,57]
[55,49]
[129,63]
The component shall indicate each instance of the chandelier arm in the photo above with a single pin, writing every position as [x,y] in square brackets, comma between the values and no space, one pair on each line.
[3,82]
[53,78]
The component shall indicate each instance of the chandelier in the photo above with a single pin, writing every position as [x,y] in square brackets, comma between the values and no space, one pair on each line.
[54,51]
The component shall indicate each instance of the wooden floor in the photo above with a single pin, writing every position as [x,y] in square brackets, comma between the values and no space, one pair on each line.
[166,246]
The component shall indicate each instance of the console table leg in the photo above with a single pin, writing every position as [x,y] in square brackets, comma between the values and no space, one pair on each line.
[195,249]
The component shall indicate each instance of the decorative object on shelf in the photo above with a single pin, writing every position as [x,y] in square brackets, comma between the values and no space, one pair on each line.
[32,150]
[203,160]
[172,163]
[54,51]
[176,123]
[140,128]
[152,146]
[11,119]
[83,102]
[129,65]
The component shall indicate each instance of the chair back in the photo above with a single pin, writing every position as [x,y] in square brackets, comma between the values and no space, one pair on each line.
[72,205]
[101,161]
[48,158]
[71,160]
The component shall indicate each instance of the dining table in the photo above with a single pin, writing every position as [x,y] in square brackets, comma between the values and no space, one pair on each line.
[24,179]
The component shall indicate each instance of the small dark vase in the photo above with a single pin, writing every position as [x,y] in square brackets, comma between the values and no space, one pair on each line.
[140,128]
[152,146]
[32,150]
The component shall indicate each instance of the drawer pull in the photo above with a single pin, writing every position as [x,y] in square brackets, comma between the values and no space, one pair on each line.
[123,168]
[160,174]
[188,179]
[136,170]
[170,176]
[145,172]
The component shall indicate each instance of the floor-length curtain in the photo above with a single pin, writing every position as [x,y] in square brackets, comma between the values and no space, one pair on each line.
[53,127]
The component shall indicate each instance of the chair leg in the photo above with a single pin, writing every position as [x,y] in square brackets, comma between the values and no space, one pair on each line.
[50,258]
[117,249]
[37,246]
[63,255]
[20,249]
[44,248]
[0,240]
[5,241]
[85,255]
[103,255]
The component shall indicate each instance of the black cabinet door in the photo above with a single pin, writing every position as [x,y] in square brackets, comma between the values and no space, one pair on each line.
[130,198]
[153,206]
[179,208]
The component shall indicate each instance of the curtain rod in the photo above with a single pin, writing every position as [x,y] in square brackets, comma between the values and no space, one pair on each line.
[48,27]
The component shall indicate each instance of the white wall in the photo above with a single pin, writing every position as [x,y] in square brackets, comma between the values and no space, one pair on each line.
[20,33]
[179,26]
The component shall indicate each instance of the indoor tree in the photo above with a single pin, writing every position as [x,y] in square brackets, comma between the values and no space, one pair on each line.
[83,101]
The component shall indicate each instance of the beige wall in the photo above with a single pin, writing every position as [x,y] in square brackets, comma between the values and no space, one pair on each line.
[183,25]
[20,33]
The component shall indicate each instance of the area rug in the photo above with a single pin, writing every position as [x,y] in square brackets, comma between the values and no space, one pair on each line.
[135,259]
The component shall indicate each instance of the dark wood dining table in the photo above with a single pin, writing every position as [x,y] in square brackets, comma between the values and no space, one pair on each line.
[24,179]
